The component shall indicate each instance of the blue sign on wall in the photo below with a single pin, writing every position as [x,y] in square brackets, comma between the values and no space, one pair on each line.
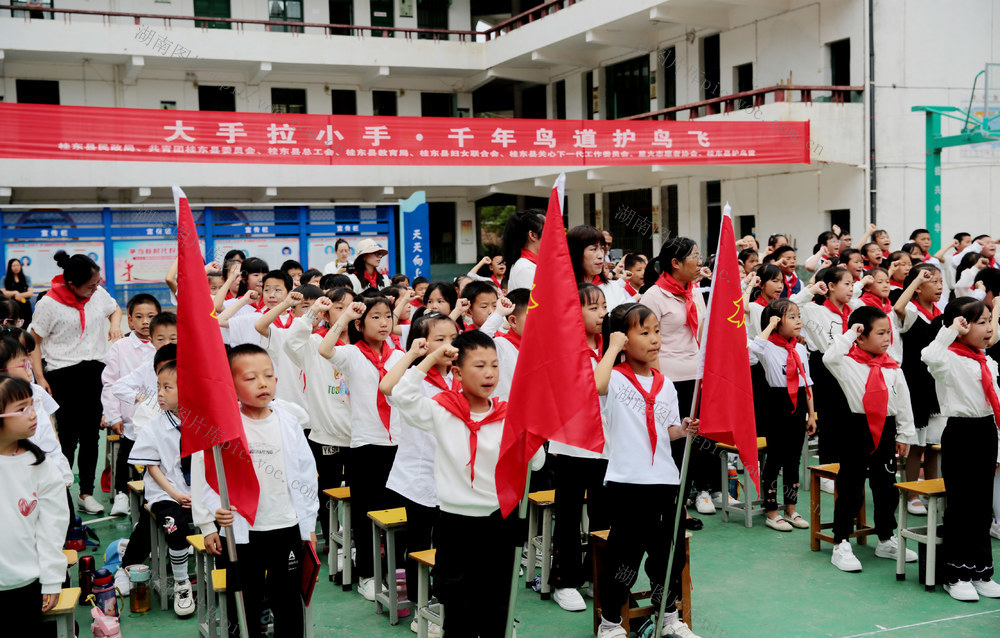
[416,259]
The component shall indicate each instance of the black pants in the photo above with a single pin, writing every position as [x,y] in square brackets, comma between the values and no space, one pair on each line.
[967,467]
[124,474]
[77,389]
[175,520]
[23,611]
[270,564]
[420,523]
[645,530]
[473,571]
[370,467]
[831,406]
[330,461]
[858,462]
[573,477]
[784,430]
[703,464]
[137,550]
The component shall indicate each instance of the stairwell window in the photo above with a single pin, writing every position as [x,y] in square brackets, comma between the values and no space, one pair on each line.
[285,11]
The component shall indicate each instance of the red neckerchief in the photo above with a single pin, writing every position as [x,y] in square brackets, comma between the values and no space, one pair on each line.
[404,322]
[790,281]
[230,295]
[436,379]
[926,258]
[496,281]
[379,362]
[416,303]
[895,284]
[671,285]
[649,397]
[597,280]
[260,306]
[372,279]
[510,335]
[885,253]
[793,367]
[876,398]
[985,376]
[395,341]
[843,314]
[928,314]
[456,403]
[598,352]
[322,330]
[530,256]
[884,305]
[993,262]
[289,318]
[61,293]
[760,300]
[632,292]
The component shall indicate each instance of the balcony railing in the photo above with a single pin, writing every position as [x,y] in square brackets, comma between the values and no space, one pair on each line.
[753,100]
[239,24]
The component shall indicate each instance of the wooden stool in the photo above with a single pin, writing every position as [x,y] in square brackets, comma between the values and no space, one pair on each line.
[136,496]
[219,590]
[64,613]
[927,534]
[340,499]
[816,526]
[203,564]
[389,521]
[810,448]
[543,501]
[748,506]
[72,558]
[426,610]
[114,442]
[598,541]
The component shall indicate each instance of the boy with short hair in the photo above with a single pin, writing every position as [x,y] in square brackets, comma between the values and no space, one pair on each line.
[138,386]
[124,356]
[635,271]
[468,428]
[880,426]
[508,344]
[276,286]
[271,333]
[288,504]
[168,482]
[785,259]
[420,285]
[483,307]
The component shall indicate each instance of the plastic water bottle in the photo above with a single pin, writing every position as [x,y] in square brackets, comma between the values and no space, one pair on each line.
[734,487]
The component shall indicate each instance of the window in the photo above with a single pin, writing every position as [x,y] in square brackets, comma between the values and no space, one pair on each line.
[216,98]
[745,225]
[37,91]
[212,9]
[437,104]
[743,81]
[383,15]
[432,14]
[344,102]
[560,108]
[441,225]
[713,216]
[630,216]
[669,57]
[285,11]
[710,67]
[841,217]
[627,88]
[840,62]
[588,94]
[34,14]
[533,102]
[668,200]
[384,103]
[341,12]
[288,100]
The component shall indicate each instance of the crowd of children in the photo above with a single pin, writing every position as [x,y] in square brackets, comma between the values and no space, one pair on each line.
[399,390]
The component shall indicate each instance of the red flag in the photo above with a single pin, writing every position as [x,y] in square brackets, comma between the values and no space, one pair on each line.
[553,395]
[209,410]
[727,414]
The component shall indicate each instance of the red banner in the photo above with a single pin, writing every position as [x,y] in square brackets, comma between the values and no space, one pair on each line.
[38,131]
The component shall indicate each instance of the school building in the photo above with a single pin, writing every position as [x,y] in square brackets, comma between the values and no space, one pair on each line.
[852,68]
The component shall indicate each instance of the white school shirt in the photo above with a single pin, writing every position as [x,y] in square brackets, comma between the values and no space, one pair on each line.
[159,443]
[521,274]
[124,356]
[965,286]
[291,380]
[33,515]
[142,381]
[555,447]
[754,311]
[631,460]
[366,424]
[412,474]
[58,325]
[326,390]
[853,377]
[332,267]
[974,247]
[774,359]
[820,325]
[274,510]
[456,490]
[614,294]
[958,380]
[45,436]
[507,359]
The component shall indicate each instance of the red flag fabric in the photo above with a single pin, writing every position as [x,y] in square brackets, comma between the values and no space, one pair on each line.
[553,395]
[727,414]
[209,410]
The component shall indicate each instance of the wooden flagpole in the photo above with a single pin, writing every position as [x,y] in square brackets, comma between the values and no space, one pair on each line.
[232,573]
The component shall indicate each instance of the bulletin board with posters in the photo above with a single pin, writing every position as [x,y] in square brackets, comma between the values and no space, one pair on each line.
[143,261]
[38,261]
[274,250]
[321,250]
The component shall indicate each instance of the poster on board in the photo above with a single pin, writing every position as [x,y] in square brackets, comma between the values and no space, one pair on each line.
[274,250]
[321,250]
[144,261]
[38,262]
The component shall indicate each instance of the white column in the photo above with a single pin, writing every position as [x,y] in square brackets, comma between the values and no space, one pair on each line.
[465,210]
[574,208]
[575,105]
[656,211]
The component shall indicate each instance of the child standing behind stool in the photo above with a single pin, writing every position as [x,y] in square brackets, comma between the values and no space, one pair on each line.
[966,382]
[642,479]
[786,368]
[880,417]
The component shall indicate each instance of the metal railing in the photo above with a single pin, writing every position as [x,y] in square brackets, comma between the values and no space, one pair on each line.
[752,100]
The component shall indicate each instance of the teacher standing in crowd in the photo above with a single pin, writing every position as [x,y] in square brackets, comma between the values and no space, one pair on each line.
[17,286]
[68,327]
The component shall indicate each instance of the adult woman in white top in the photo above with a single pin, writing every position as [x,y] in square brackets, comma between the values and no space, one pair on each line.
[587,249]
[342,251]
[522,239]
[68,327]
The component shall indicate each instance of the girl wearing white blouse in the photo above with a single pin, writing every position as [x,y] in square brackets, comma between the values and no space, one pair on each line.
[522,238]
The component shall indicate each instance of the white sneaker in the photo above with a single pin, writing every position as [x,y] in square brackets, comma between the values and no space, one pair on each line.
[995,531]
[989,588]
[120,507]
[963,590]
[826,485]
[122,582]
[677,629]
[611,631]
[366,587]
[778,523]
[340,559]
[183,600]
[538,558]
[90,505]
[843,558]
[704,503]
[916,507]
[717,499]
[890,548]
[569,599]
[433,629]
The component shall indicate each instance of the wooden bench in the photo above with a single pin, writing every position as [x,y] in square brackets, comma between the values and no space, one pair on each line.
[543,502]
[598,541]
[427,611]
[136,497]
[64,613]
[748,506]
[340,500]
[816,526]
[925,534]
[390,522]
